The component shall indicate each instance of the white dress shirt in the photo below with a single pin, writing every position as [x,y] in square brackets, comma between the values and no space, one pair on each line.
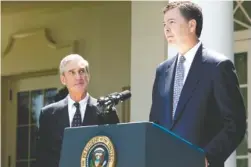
[189,56]
[72,108]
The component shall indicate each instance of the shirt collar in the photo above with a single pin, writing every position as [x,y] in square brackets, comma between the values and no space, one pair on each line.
[191,53]
[81,102]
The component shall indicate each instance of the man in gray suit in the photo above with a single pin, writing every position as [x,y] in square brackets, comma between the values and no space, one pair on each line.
[77,109]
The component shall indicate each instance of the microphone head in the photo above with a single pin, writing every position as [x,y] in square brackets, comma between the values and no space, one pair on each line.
[125,95]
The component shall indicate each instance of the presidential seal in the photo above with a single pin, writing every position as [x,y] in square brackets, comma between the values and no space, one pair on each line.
[98,152]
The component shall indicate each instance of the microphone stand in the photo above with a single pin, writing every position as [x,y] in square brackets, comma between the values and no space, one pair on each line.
[106,104]
[103,110]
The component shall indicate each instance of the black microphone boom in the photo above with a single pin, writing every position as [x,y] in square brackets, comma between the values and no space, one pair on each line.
[114,98]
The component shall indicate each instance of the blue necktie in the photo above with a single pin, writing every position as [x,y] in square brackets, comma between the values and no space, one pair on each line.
[77,121]
[178,82]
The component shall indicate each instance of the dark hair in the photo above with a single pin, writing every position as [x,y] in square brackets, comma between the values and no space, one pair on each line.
[189,11]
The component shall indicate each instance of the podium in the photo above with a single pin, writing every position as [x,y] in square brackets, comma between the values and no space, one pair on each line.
[139,144]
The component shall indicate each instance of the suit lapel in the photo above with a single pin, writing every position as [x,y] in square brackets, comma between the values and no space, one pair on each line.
[169,81]
[90,117]
[192,80]
[63,118]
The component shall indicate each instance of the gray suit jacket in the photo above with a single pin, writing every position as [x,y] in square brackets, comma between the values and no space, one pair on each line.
[52,122]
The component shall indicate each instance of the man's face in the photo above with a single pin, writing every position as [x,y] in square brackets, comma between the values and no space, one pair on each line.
[75,76]
[176,28]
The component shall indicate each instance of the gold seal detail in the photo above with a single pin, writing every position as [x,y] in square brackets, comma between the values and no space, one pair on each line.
[98,152]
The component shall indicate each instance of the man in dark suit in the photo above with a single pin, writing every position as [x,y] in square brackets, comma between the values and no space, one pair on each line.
[196,93]
[77,109]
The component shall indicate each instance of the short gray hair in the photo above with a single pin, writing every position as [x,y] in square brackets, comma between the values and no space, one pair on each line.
[69,58]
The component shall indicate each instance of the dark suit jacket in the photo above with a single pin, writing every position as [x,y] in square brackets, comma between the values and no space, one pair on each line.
[210,112]
[52,122]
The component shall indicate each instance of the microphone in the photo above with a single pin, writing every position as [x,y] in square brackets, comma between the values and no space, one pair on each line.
[105,104]
[114,98]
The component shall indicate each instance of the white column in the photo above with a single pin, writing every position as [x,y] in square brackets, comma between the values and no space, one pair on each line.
[217,34]
[148,49]
[218,30]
